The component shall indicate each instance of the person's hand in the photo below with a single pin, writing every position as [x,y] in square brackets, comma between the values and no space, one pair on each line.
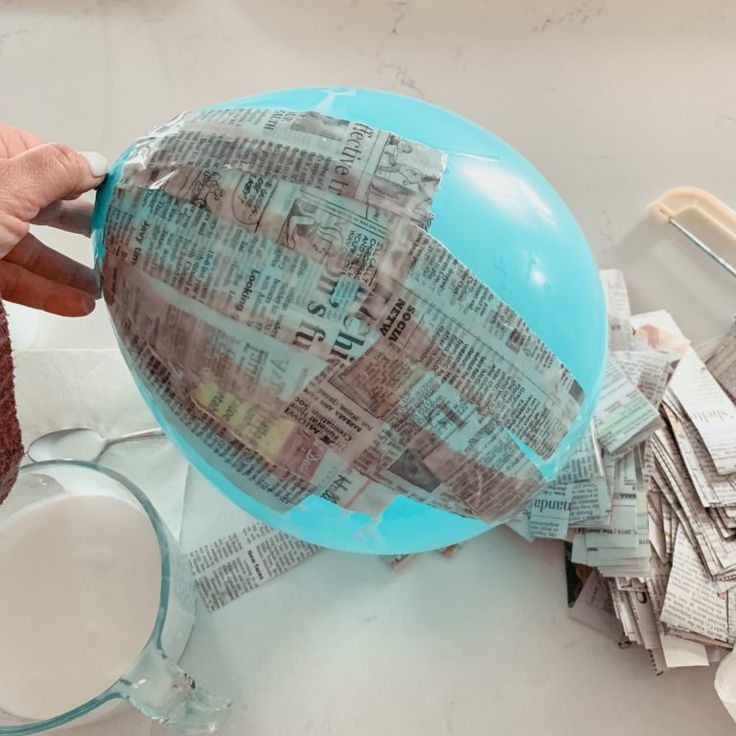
[40,184]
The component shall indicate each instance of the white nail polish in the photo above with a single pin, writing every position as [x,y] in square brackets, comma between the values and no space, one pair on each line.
[97,162]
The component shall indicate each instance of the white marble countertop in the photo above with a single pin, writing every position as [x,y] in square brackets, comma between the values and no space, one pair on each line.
[615,102]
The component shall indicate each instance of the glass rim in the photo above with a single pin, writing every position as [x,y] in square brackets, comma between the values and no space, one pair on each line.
[154,639]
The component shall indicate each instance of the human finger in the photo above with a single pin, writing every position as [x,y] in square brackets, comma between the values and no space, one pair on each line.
[36,257]
[27,288]
[74,216]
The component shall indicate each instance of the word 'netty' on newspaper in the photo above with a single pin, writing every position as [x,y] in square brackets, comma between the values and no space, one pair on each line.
[648,501]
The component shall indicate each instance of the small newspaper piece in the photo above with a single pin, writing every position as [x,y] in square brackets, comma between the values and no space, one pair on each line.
[228,567]
[549,512]
[272,284]
[586,461]
[658,331]
[696,521]
[585,479]
[713,489]
[623,416]
[722,364]
[653,368]
[693,604]
[594,607]
[620,333]
[590,503]
[709,408]
[578,496]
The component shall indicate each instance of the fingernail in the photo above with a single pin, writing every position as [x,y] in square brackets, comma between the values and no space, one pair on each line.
[89,304]
[97,162]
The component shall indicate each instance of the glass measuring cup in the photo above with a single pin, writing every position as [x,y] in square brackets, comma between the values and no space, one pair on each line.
[154,683]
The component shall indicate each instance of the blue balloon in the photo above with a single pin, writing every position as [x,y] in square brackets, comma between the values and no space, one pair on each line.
[497,214]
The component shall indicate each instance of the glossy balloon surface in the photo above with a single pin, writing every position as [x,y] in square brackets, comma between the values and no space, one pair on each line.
[502,219]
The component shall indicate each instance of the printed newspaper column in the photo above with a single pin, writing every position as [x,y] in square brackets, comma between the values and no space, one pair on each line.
[227,568]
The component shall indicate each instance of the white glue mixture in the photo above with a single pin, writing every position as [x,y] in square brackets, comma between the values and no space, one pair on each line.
[80,578]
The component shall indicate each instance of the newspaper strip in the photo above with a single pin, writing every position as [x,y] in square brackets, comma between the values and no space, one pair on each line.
[621,548]
[653,368]
[693,604]
[228,567]
[308,341]
[622,608]
[718,556]
[710,410]
[593,607]
[647,627]
[583,474]
[346,158]
[722,365]
[679,652]
[623,416]
[585,462]
[620,331]
[657,536]
[712,488]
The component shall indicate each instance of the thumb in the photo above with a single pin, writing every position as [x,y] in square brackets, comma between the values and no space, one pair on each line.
[42,175]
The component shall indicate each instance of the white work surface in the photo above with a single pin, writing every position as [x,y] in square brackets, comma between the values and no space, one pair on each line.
[615,102]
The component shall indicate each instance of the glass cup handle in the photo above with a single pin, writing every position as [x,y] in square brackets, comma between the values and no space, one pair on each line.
[161,690]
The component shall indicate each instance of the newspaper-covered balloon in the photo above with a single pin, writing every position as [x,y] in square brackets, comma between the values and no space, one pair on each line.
[363,334]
